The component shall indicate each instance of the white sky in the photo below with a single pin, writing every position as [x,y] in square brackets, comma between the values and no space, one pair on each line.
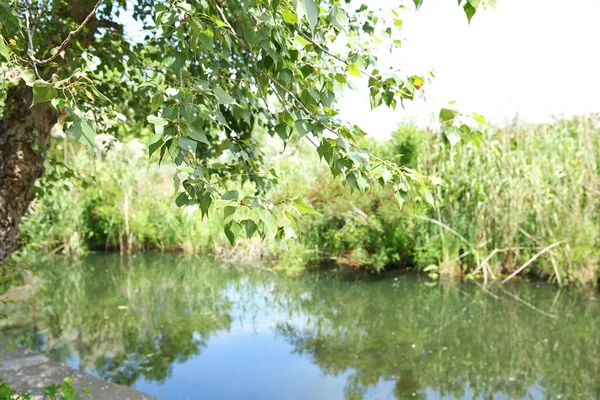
[534,58]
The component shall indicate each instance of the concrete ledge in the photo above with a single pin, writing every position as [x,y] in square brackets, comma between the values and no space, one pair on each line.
[28,371]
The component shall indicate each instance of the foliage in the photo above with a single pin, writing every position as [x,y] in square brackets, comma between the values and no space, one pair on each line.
[62,391]
[207,75]
[122,204]
[498,196]
[523,189]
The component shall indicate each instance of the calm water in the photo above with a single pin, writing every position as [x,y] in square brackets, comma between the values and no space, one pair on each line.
[188,328]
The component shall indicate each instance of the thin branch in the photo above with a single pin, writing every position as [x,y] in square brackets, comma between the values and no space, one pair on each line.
[224,18]
[179,108]
[555,266]
[324,50]
[65,42]
[30,52]
[532,259]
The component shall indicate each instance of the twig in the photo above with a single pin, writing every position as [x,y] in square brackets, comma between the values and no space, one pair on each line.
[179,107]
[30,52]
[485,261]
[460,257]
[528,235]
[552,258]
[490,271]
[555,267]
[324,50]
[70,36]
[532,259]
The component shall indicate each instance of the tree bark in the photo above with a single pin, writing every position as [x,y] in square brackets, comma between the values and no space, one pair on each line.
[24,137]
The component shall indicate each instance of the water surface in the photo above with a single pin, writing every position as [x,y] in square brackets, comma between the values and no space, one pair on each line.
[189,328]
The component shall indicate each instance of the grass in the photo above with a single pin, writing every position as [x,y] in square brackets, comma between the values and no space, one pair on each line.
[529,191]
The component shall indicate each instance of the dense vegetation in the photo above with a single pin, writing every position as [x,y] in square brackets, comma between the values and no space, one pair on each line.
[206,76]
[526,187]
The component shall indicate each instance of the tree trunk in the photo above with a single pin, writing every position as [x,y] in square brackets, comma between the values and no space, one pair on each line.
[24,137]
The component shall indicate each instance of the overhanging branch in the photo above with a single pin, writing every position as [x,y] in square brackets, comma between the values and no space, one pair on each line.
[70,36]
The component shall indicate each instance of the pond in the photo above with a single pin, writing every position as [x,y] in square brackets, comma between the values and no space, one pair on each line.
[192,328]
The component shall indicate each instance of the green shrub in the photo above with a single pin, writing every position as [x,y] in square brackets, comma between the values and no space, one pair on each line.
[523,189]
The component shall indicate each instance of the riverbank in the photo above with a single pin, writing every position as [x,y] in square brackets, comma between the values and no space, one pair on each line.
[30,372]
[527,197]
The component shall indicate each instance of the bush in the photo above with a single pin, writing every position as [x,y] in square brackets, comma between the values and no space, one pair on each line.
[524,189]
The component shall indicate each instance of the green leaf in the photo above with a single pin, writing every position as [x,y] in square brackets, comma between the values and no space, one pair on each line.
[428,198]
[479,118]
[400,197]
[43,92]
[230,234]
[289,17]
[303,127]
[293,220]
[4,49]
[469,11]
[84,131]
[454,135]
[354,70]
[28,76]
[447,115]
[228,212]
[280,240]
[223,96]
[98,93]
[268,219]
[289,232]
[418,3]
[181,200]
[385,175]
[154,120]
[338,17]
[230,195]
[250,227]
[303,207]
[188,144]
[312,12]
[156,143]
[196,133]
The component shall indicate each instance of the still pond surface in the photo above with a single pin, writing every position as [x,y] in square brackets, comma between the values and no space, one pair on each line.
[189,328]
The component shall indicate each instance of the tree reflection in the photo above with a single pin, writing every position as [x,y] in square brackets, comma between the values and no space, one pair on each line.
[136,317]
[453,339]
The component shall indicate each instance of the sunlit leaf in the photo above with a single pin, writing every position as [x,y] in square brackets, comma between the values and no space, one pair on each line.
[43,92]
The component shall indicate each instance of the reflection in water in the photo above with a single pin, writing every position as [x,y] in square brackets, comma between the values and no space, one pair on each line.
[183,327]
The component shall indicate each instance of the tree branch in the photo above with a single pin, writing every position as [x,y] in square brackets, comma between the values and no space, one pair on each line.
[65,42]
